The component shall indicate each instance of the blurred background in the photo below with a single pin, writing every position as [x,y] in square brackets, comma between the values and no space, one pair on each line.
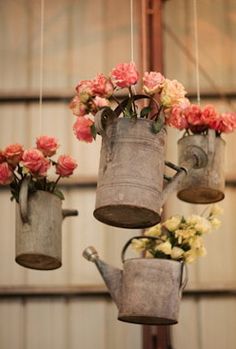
[70,308]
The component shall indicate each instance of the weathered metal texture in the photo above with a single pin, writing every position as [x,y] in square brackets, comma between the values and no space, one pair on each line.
[203,185]
[151,291]
[147,291]
[130,180]
[38,240]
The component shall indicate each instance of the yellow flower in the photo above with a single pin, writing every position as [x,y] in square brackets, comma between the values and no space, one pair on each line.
[154,231]
[216,210]
[139,245]
[164,247]
[173,223]
[176,252]
[184,234]
[215,223]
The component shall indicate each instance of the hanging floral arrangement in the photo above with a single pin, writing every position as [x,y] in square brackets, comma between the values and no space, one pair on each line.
[17,164]
[100,92]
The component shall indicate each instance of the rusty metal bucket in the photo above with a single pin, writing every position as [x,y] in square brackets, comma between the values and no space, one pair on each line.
[203,185]
[38,229]
[151,290]
[148,290]
[130,179]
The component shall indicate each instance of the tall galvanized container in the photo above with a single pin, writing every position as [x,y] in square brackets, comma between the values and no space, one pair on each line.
[130,179]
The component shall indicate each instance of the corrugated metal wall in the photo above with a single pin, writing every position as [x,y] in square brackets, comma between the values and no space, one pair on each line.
[83,38]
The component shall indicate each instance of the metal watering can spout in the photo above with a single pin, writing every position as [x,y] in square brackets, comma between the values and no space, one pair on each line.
[111,275]
[195,158]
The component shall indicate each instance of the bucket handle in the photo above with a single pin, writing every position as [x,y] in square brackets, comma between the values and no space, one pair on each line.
[23,199]
[133,238]
[102,118]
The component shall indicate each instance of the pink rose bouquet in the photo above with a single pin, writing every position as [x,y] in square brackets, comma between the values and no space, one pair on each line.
[98,93]
[17,163]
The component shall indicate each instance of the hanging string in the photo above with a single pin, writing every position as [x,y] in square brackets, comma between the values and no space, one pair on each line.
[132,30]
[41,66]
[196,49]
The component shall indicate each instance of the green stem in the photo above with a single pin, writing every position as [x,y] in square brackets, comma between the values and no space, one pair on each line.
[55,184]
[133,103]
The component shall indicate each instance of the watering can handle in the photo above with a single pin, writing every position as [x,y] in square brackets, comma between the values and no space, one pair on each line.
[23,199]
[102,118]
[185,280]
[133,238]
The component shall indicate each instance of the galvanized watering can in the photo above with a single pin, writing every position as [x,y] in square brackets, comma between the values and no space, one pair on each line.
[38,229]
[147,291]
[130,190]
[203,185]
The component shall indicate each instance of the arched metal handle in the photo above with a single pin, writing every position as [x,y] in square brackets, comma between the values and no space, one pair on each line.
[23,199]
[102,118]
[134,238]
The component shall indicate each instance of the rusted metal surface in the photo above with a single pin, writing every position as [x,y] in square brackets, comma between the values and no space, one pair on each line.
[203,185]
[130,180]
[38,229]
[147,291]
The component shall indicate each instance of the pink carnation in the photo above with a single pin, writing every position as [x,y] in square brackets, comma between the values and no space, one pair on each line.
[82,129]
[125,74]
[35,162]
[78,108]
[2,157]
[6,175]
[209,115]
[47,145]
[100,103]
[65,166]
[193,115]
[177,118]
[102,86]
[225,122]
[84,87]
[172,93]
[152,82]
[13,153]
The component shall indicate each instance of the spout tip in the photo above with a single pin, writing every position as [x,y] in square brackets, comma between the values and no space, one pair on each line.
[90,254]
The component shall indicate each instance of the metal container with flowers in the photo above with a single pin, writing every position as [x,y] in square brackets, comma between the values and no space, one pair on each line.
[39,211]
[130,180]
[203,128]
[166,248]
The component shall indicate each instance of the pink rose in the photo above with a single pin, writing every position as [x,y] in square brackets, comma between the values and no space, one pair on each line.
[47,145]
[82,129]
[78,108]
[226,122]
[13,154]
[102,86]
[193,115]
[176,118]
[65,166]
[6,175]
[35,162]
[152,82]
[125,75]
[172,93]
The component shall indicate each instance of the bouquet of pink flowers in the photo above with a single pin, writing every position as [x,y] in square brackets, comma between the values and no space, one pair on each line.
[197,120]
[93,95]
[167,103]
[16,164]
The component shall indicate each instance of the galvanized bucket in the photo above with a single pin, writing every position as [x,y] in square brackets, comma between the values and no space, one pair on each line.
[151,290]
[203,185]
[38,229]
[130,179]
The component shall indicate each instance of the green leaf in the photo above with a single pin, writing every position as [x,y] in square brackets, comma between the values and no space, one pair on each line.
[93,131]
[145,111]
[58,193]
[157,126]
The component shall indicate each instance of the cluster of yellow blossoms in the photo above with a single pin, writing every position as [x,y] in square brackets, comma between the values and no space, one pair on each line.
[179,238]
